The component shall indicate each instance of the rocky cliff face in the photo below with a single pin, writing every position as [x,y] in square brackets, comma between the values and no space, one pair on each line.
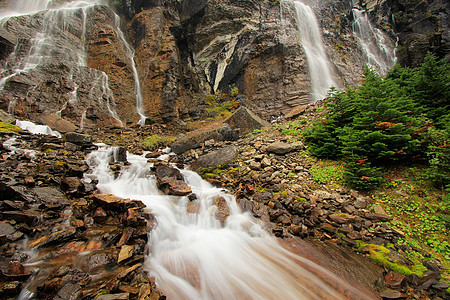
[421,26]
[70,62]
[186,49]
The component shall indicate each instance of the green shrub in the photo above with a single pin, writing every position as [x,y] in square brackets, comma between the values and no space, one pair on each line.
[403,117]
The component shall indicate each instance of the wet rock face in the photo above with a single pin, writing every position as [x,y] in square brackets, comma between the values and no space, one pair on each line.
[158,62]
[420,27]
[237,44]
[66,80]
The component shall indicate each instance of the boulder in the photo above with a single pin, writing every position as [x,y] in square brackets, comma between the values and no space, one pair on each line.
[195,139]
[109,201]
[214,159]
[282,148]
[78,139]
[172,186]
[246,121]
[223,211]
[57,123]
[296,111]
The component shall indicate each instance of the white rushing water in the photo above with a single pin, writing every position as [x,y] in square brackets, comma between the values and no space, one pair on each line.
[57,26]
[378,53]
[320,71]
[37,129]
[194,256]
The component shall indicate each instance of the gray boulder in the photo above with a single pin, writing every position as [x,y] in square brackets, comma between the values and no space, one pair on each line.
[219,157]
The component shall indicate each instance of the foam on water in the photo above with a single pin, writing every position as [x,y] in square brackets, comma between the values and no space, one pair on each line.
[37,129]
[194,256]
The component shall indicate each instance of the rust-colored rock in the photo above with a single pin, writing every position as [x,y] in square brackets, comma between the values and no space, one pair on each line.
[223,210]
[172,186]
[394,280]
[100,215]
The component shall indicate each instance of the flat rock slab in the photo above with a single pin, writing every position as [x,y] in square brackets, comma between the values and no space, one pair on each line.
[282,148]
[121,296]
[55,237]
[172,186]
[109,200]
[57,123]
[214,159]
[246,121]
[6,228]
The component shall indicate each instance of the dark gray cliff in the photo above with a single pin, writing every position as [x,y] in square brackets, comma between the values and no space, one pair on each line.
[421,26]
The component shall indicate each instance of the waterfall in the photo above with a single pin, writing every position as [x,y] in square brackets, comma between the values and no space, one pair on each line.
[320,72]
[137,83]
[377,53]
[54,41]
[195,256]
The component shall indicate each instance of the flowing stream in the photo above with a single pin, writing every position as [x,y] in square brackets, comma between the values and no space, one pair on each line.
[58,23]
[320,72]
[194,256]
[377,52]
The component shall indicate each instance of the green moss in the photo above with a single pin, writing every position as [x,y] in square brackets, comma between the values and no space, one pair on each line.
[379,255]
[156,141]
[6,127]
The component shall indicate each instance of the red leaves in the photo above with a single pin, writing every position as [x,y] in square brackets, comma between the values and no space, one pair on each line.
[386,125]
[365,178]
[362,160]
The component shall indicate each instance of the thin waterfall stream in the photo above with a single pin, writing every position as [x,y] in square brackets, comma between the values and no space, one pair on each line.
[378,54]
[52,40]
[193,255]
[320,71]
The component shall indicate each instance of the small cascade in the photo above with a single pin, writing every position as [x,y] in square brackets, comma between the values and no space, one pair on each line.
[194,255]
[320,71]
[83,119]
[37,129]
[377,52]
[137,83]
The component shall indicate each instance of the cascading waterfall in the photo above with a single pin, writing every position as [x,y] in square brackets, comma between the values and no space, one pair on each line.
[194,256]
[137,83]
[320,71]
[50,42]
[378,54]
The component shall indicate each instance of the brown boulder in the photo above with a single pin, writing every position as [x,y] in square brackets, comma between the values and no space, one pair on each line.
[57,123]
[172,186]
[223,211]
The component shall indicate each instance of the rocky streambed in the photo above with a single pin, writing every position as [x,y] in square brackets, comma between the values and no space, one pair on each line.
[62,239]
[59,239]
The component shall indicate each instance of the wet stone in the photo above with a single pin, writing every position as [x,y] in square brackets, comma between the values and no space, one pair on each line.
[100,215]
[394,280]
[68,291]
[223,211]
[121,296]
[6,228]
[126,252]
[97,262]
[391,294]
[172,186]
[56,237]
